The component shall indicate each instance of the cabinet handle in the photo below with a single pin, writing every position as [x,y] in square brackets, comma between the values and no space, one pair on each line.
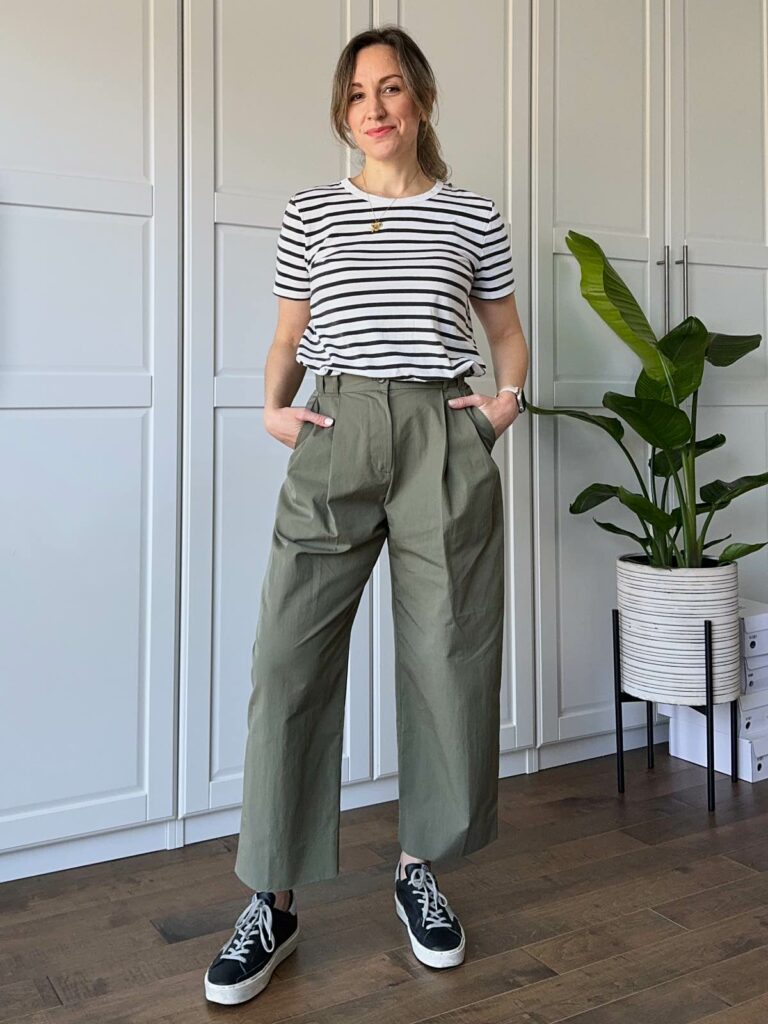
[665,263]
[684,261]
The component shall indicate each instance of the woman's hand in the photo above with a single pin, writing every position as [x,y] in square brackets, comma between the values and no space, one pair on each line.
[285,423]
[502,410]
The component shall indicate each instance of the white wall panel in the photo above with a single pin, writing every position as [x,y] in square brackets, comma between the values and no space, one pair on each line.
[257,129]
[89,363]
[598,170]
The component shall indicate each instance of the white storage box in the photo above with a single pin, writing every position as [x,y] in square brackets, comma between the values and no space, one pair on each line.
[688,728]
[754,617]
[752,715]
[688,740]
[755,676]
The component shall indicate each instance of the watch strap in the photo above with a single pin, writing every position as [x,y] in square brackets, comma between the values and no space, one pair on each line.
[517,391]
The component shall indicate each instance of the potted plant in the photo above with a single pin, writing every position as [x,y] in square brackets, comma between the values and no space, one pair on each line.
[667,590]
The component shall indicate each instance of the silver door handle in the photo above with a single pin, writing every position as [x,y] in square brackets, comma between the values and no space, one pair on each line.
[684,261]
[665,263]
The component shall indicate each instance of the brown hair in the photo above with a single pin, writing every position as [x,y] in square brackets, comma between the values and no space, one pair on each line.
[419,80]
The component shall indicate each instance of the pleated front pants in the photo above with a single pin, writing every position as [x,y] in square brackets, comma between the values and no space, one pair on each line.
[398,464]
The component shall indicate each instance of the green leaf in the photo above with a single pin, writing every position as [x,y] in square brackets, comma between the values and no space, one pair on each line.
[711,543]
[612,528]
[608,423]
[645,509]
[721,493]
[734,551]
[612,300]
[661,425]
[593,495]
[725,349]
[686,347]
[663,463]
[645,387]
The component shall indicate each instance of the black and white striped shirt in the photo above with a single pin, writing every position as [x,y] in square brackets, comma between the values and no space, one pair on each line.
[393,302]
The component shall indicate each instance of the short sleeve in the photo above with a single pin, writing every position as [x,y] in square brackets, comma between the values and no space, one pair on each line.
[494,277]
[291,271]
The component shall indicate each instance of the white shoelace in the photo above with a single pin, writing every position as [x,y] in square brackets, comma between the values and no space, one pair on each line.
[258,914]
[434,906]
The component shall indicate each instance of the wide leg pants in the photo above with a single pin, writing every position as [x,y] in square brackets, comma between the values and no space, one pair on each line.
[399,464]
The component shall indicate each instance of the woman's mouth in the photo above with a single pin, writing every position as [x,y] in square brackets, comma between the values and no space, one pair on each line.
[378,132]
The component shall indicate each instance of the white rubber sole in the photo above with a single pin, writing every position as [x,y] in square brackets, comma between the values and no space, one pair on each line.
[431,957]
[229,995]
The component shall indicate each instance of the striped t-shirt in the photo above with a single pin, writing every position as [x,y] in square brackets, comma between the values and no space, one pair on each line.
[392,302]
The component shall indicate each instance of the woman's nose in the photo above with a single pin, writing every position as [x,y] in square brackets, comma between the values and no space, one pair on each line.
[376,111]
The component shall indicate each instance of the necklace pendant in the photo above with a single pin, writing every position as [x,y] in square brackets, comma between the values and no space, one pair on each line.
[376,225]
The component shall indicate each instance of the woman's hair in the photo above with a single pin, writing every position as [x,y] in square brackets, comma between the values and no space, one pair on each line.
[419,80]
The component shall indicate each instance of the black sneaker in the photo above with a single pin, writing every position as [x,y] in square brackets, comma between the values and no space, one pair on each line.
[263,936]
[436,935]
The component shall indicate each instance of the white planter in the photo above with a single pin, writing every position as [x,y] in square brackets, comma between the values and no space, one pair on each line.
[661,630]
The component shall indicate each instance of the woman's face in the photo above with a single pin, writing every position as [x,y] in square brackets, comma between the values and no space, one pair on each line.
[377,98]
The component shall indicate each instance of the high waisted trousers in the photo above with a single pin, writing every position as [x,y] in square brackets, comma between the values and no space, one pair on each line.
[398,464]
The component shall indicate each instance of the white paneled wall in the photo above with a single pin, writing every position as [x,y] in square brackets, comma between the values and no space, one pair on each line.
[147,150]
[89,405]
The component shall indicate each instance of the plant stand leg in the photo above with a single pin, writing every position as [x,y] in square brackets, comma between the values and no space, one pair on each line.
[735,740]
[649,730]
[710,715]
[617,702]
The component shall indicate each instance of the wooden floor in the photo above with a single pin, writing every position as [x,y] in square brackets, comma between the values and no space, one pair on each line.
[590,908]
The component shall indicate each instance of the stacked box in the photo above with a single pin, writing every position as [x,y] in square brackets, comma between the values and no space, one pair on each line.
[687,728]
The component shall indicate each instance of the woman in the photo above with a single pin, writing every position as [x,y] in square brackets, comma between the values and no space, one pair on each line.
[374,277]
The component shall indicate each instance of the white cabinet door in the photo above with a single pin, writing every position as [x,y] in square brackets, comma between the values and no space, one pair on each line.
[481,59]
[256,125]
[718,203]
[89,360]
[598,169]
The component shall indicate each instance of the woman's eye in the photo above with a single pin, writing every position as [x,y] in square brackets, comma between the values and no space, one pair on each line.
[356,94]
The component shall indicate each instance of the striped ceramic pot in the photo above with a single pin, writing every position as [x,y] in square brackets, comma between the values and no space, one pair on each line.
[661,630]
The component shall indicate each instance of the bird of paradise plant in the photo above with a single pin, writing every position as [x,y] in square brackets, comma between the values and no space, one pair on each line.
[671,375]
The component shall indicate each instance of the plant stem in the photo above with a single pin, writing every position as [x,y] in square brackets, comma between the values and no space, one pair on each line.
[684,518]
[656,557]
[638,474]
[692,473]
[653,476]
[705,527]
[678,554]
[664,494]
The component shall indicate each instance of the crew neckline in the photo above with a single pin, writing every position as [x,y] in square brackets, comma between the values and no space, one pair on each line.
[383,200]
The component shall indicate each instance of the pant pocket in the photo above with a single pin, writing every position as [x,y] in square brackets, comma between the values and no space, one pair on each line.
[483,426]
[306,426]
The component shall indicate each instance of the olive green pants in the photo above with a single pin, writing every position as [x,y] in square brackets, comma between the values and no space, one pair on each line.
[399,464]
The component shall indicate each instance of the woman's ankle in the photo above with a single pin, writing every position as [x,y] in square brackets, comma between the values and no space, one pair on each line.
[283,899]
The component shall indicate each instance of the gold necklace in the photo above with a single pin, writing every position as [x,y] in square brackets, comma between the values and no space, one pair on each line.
[376,224]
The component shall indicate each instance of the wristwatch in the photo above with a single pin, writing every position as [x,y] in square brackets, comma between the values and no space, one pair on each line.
[517,391]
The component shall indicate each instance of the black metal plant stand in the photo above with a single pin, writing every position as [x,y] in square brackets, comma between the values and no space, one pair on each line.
[708,710]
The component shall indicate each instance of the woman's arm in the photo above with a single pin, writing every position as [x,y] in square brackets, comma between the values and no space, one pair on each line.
[283,374]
